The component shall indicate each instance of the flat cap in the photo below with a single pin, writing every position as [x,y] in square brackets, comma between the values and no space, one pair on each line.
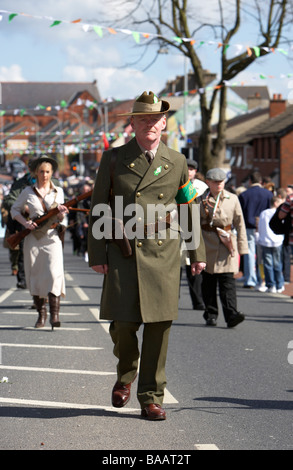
[192,163]
[216,174]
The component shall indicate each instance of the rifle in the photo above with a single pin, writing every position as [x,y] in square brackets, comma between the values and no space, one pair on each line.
[16,238]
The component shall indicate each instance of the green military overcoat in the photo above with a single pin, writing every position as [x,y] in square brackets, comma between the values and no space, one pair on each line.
[145,286]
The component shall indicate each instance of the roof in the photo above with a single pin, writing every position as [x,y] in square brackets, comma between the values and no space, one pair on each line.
[280,124]
[246,92]
[30,94]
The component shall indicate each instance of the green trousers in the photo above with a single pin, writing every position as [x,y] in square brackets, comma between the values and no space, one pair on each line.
[152,376]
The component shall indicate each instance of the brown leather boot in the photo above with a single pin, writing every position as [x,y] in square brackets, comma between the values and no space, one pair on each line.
[54,304]
[40,304]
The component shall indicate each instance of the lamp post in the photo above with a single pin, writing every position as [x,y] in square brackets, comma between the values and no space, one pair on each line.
[81,168]
[37,133]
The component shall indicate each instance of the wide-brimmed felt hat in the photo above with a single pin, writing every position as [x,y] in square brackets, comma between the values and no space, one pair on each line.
[148,103]
[33,164]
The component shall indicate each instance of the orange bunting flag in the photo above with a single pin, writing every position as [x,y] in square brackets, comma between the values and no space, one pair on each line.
[76,21]
[112,31]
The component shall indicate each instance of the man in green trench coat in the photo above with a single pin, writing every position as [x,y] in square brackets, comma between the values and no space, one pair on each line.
[143,287]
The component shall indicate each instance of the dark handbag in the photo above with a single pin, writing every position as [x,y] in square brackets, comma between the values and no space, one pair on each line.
[278,226]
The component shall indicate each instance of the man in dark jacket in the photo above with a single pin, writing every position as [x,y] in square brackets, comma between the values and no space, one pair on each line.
[253,201]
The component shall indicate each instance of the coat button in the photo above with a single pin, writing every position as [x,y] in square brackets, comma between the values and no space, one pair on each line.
[138,194]
[160,243]
[161,196]
[166,167]
[139,244]
[132,165]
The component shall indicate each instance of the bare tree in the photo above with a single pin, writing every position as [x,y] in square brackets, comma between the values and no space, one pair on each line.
[175,18]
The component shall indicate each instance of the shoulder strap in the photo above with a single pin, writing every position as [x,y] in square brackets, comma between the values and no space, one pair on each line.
[41,199]
[114,154]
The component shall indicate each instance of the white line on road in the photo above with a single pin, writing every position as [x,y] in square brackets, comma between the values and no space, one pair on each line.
[7,294]
[34,312]
[30,301]
[49,346]
[206,447]
[63,371]
[56,404]
[104,324]
[81,294]
[19,327]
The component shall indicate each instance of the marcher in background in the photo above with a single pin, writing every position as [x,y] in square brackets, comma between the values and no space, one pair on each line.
[13,226]
[43,252]
[194,281]
[224,233]
[83,221]
[253,201]
[143,288]
[271,247]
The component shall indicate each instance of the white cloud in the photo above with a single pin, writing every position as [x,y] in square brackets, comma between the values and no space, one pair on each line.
[112,82]
[11,74]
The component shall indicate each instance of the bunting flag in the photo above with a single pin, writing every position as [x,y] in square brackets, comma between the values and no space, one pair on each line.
[138,35]
[105,141]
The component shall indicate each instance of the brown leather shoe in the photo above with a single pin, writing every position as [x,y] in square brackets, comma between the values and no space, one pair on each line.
[121,394]
[153,412]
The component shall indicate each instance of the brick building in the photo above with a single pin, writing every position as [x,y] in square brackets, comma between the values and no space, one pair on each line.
[267,147]
[65,119]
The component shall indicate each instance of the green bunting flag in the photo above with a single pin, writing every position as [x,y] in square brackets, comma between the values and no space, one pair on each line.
[55,23]
[10,17]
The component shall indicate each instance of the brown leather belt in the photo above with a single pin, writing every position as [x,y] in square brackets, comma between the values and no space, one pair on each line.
[209,228]
[162,224]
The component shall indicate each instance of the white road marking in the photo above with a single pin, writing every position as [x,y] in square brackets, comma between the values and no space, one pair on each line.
[49,346]
[7,294]
[19,327]
[104,323]
[56,404]
[206,447]
[63,371]
[31,301]
[81,294]
[34,312]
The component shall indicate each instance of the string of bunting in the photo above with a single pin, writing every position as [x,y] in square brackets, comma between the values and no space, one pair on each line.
[94,104]
[138,36]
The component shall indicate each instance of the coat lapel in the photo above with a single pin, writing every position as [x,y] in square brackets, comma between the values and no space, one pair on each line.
[134,159]
[160,167]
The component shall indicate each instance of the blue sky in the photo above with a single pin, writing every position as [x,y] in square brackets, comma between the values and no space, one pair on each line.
[32,51]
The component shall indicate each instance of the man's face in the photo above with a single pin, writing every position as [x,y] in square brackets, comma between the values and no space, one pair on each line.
[191,173]
[148,128]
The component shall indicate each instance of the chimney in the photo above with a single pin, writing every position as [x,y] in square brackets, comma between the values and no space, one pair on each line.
[254,101]
[277,105]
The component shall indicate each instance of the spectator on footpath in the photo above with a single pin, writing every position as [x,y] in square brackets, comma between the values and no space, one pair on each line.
[287,208]
[271,248]
[286,248]
[253,201]
[194,281]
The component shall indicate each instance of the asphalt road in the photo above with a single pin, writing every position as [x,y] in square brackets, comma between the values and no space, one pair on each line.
[227,389]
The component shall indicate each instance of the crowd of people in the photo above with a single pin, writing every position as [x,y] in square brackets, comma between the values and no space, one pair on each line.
[235,234]
[266,262]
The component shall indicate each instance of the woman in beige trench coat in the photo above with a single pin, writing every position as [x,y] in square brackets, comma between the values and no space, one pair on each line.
[221,209]
[43,252]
